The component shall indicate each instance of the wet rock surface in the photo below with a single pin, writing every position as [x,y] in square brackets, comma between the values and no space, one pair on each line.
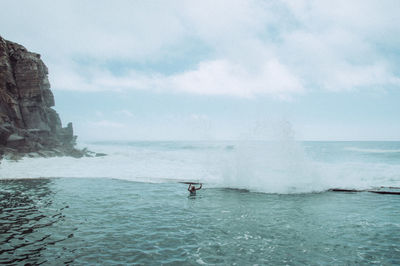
[28,124]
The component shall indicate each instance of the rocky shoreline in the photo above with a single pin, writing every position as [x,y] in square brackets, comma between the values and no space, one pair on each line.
[29,126]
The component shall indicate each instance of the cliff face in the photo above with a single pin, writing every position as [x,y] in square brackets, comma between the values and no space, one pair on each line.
[28,124]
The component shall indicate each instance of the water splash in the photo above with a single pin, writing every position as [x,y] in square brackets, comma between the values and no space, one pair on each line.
[278,166]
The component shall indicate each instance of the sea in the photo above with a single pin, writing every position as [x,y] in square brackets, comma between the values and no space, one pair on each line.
[261,203]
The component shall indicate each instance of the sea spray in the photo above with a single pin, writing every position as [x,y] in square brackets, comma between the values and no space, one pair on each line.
[274,166]
[278,165]
[269,167]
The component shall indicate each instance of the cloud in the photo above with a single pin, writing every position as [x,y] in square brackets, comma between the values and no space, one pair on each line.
[218,77]
[352,77]
[238,48]
[126,113]
[344,45]
[221,77]
[107,124]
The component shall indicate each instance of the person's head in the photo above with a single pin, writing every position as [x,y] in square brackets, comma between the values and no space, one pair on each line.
[192,188]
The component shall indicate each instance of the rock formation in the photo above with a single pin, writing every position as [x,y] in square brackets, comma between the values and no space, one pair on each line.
[28,124]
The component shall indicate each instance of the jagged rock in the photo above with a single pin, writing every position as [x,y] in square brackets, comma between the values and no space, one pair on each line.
[4,134]
[28,124]
[47,153]
[66,135]
[76,153]
[15,137]
[15,141]
[58,152]
[33,155]
[12,154]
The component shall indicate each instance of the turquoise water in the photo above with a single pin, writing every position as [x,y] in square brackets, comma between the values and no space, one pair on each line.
[107,221]
[88,221]
[260,204]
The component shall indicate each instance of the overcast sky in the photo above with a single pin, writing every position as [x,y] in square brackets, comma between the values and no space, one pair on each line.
[131,70]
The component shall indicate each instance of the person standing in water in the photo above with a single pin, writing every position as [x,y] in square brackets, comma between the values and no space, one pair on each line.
[192,189]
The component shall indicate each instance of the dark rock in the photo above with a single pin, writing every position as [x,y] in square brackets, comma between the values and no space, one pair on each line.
[66,135]
[33,155]
[76,153]
[4,134]
[47,153]
[28,124]
[15,141]
[13,156]
[58,152]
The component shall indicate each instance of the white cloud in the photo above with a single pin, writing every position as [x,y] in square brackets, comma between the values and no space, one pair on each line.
[344,44]
[275,48]
[107,124]
[353,77]
[126,113]
[218,77]
[221,77]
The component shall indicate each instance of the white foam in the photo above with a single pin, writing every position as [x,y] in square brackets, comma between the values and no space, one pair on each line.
[272,167]
[372,150]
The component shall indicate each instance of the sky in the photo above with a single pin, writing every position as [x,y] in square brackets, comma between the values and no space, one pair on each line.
[217,70]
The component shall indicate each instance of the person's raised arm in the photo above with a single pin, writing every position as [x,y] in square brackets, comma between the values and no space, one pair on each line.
[201,185]
[189,187]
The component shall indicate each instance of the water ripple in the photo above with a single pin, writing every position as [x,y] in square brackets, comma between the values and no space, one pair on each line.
[24,220]
[103,221]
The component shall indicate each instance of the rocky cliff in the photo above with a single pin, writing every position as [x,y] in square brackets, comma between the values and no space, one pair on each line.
[28,124]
